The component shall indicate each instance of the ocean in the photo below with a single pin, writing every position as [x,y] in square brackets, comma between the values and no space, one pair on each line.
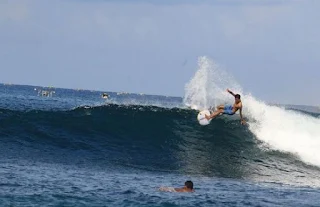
[74,148]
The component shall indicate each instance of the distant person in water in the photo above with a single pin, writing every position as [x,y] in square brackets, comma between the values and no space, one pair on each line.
[229,109]
[105,95]
[187,188]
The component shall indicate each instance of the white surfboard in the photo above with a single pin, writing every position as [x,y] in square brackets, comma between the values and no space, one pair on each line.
[202,119]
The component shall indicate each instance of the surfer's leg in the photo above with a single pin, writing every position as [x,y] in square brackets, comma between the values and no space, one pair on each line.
[214,114]
[220,107]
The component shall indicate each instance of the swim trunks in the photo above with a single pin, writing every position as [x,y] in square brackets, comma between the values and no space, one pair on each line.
[228,110]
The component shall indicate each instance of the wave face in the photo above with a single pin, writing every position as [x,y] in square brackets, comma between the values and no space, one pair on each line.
[147,138]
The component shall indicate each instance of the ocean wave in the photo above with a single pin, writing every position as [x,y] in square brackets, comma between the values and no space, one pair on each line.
[141,137]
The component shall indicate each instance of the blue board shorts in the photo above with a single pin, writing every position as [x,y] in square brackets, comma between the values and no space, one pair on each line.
[228,110]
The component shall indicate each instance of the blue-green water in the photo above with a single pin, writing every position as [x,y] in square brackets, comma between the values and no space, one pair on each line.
[77,149]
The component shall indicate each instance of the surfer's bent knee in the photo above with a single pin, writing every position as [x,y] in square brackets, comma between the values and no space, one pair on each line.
[220,107]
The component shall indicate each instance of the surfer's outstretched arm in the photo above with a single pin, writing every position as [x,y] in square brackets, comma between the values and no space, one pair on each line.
[230,92]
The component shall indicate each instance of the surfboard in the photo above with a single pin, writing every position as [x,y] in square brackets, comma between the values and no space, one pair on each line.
[202,119]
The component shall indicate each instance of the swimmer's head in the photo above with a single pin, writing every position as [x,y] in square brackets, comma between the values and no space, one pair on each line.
[189,184]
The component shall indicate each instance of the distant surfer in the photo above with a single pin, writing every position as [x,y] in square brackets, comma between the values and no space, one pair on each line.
[229,109]
[187,188]
[105,95]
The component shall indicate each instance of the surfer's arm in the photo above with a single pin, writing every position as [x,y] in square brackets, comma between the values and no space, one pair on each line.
[230,92]
[241,117]
[167,189]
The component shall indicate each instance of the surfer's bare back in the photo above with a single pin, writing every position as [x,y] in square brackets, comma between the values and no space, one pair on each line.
[229,109]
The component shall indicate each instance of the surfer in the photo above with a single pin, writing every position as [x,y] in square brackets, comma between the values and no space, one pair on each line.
[187,188]
[229,109]
[105,95]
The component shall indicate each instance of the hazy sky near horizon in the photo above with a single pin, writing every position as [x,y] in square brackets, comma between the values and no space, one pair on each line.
[271,47]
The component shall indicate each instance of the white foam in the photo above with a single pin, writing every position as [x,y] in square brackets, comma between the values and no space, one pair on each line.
[285,130]
[281,129]
[207,87]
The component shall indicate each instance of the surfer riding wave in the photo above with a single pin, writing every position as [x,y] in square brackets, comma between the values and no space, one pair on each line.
[229,109]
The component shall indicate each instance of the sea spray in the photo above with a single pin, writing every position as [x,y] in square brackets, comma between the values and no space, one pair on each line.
[208,86]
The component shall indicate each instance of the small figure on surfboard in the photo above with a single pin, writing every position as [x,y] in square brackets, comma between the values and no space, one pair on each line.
[229,109]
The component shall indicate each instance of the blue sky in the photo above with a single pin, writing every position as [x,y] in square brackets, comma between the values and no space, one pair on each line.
[272,48]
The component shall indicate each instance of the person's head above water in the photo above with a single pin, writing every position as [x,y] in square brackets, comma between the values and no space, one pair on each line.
[189,184]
